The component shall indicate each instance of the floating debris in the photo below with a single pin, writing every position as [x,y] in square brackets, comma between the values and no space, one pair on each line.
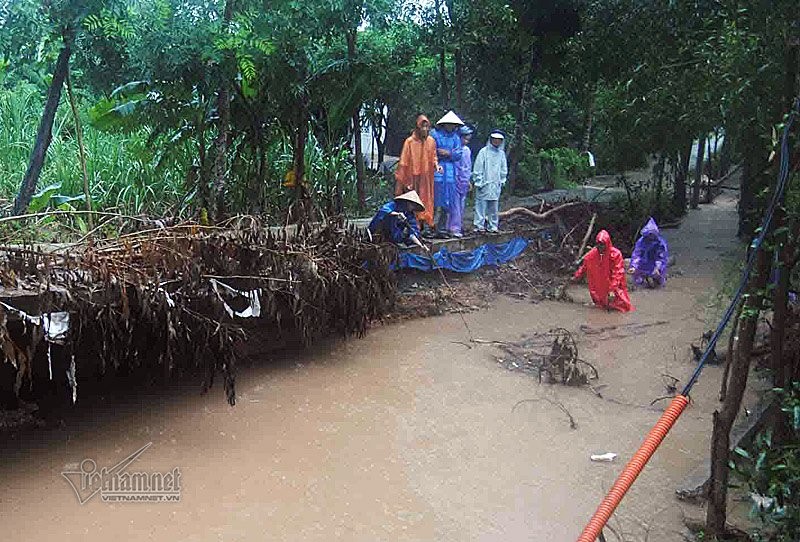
[552,356]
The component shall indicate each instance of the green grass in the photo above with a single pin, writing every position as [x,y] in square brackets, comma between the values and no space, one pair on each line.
[121,168]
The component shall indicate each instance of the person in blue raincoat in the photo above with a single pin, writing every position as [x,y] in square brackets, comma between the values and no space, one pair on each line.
[395,221]
[650,257]
[448,153]
[489,175]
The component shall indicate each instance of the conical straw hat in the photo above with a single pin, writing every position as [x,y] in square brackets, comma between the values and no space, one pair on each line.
[413,198]
[450,118]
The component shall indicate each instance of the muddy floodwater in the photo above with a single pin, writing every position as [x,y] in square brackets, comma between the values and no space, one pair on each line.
[404,434]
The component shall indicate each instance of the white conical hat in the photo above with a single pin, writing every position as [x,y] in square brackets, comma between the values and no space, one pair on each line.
[450,118]
[413,198]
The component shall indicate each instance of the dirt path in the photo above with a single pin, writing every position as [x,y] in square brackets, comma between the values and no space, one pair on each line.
[403,435]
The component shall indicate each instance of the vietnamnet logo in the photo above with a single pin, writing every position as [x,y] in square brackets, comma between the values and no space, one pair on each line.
[116,484]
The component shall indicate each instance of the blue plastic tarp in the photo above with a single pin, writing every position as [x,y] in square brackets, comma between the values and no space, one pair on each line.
[467,261]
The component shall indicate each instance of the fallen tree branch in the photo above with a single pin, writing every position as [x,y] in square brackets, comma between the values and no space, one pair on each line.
[538,216]
[599,194]
[670,225]
[559,404]
[567,236]
[586,236]
[656,400]
[725,177]
[484,341]
[69,213]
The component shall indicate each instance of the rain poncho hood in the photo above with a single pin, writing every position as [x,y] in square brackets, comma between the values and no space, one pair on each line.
[421,119]
[605,274]
[490,171]
[650,254]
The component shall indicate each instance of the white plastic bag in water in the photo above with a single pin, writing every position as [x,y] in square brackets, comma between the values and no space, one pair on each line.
[607,457]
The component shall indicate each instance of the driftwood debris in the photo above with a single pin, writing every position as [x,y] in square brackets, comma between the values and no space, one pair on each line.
[620,332]
[572,423]
[586,236]
[539,216]
[552,356]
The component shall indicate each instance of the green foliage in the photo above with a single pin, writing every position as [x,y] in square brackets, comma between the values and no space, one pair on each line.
[121,167]
[771,471]
[50,197]
[651,76]
[553,168]
[571,166]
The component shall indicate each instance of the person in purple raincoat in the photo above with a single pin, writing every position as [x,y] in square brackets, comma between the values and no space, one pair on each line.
[650,257]
[463,184]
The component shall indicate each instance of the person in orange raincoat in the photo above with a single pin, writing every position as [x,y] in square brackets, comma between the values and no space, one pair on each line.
[417,165]
[605,271]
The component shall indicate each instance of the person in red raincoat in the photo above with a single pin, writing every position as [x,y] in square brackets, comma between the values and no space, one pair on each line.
[605,271]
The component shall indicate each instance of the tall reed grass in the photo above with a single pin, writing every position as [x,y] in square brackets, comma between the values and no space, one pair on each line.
[121,168]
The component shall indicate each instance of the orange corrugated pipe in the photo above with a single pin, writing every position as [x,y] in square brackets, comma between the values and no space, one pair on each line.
[625,480]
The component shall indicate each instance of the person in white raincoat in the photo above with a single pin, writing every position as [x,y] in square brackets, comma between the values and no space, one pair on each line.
[489,174]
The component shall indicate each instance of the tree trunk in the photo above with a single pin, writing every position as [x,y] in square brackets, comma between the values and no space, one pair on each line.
[443,79]
[779,306]
[459,61]
[223,125]
[751,182]
[732,338]
[357,150]
[202,179]
[81,151]
[45,132]
[715,155]
[658,171]
[782,370]
[548,174]
[301,203]
[716,515]
[299,162]
[521,113]
[791,60]
[458,57]
[221,146]
[698,171]
[679,198]
[587,135]
[380,132]
[445,91]
[359,158]
[724,155]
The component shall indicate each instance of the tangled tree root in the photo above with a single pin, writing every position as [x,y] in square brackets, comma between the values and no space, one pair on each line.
[552,356]
[157,304]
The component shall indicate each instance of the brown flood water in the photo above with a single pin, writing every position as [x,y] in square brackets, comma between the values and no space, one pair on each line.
[402,435]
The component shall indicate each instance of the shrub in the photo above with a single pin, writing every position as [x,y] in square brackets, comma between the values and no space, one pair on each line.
[547,169]
[771,472]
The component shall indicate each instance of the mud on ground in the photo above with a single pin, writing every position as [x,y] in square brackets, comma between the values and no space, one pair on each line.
[431,294]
